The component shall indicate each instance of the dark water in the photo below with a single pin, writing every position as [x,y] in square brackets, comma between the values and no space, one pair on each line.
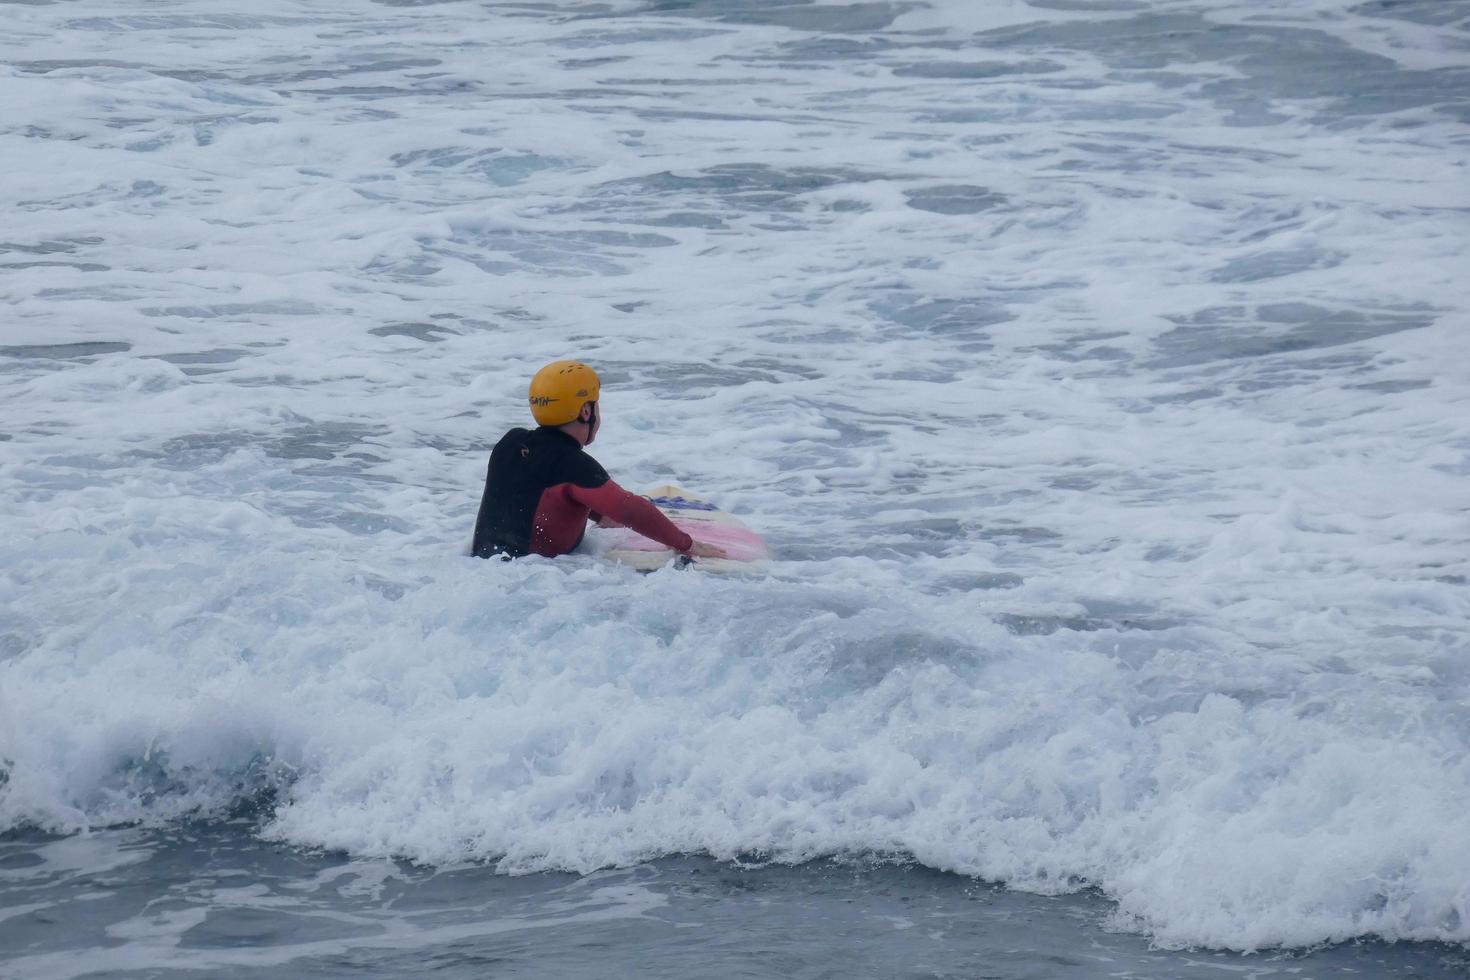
[209,900]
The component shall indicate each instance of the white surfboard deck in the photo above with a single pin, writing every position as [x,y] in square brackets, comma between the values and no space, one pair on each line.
[701,519]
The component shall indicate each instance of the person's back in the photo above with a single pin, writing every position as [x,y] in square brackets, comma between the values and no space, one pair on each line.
[541,486]
[526,508]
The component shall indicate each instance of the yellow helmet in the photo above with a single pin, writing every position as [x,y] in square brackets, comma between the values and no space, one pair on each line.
[559,390]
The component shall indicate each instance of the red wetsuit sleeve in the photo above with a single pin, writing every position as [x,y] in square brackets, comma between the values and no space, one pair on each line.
[633,511]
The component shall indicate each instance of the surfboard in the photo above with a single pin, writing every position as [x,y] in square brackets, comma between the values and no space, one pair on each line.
[698,517]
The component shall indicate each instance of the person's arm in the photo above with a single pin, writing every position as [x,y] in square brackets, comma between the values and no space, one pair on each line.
[632,511]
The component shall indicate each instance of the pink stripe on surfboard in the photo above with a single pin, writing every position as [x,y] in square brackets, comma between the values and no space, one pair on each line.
[741,543]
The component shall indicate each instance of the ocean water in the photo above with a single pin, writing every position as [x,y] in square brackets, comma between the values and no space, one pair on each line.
[1097,370]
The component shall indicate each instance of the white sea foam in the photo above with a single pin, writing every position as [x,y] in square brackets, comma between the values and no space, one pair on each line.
[1100,385]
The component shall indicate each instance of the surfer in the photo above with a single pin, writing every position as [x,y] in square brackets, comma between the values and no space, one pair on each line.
[542,486]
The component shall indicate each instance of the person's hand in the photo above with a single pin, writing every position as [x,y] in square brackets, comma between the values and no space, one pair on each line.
[703,549]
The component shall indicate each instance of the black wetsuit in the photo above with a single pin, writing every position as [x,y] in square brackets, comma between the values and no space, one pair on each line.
[539,491]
